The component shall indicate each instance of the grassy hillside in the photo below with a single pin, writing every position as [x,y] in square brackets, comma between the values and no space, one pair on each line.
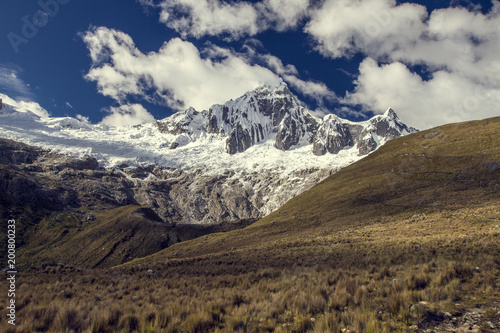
[405,240]
[110,238]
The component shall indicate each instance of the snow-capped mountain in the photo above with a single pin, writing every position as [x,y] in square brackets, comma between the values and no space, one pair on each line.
[275,114]
[242,159]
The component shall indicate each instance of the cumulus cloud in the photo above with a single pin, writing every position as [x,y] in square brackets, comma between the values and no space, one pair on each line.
[457,40]
[456,50]
[209,17]
[25,106]
[447,97]
[177,75]
[456,46]
[375,27]
[198,18]
[127,114]
[282,15]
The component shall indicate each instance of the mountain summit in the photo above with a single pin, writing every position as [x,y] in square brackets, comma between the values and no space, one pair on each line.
[274,113]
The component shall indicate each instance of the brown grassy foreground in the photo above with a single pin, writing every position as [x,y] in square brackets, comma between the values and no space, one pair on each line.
[372,290]
[408,239]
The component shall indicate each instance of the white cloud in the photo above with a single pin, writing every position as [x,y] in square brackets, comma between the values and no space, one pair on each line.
[233,20]
[176,75]
[458,48]
[127,114]
[460,41]
[25,106]
[375,27]
[319,113]
[316,90]
[83,119]
[283,14]
[11,82]
[445,98]
[209,17]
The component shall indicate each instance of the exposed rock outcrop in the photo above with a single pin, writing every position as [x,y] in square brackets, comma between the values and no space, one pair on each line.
[60,182]
[198,182]
[332,136]
[335,134]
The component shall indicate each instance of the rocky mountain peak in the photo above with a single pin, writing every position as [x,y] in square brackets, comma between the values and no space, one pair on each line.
[274,113]
[390,113]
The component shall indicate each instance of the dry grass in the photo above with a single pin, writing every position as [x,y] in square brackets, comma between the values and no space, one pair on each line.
[371,290]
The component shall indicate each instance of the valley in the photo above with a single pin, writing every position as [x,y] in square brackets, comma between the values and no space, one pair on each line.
[69,179]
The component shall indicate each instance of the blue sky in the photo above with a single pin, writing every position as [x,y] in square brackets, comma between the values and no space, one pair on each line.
[133,61]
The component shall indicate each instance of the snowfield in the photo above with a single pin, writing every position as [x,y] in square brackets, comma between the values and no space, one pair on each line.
[143,145]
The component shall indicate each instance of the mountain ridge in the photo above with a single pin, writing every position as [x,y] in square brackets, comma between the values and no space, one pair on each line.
[268,125]
[238,160]
[274,113]
[406,239]
[428,185]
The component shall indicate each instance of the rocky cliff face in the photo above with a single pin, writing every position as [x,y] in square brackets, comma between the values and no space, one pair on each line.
[87,216]
[262,114]
[332,136]
[335,134]
[59,182]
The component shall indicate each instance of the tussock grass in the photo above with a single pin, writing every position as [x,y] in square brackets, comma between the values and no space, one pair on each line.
[296,300]
[373,290]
